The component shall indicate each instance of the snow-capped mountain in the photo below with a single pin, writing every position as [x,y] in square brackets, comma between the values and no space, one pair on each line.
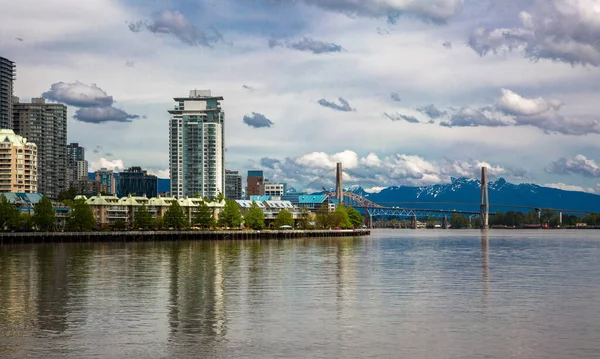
[463,194]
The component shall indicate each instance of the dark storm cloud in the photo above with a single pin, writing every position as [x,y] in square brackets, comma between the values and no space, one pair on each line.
[437,11]
[103,114]
[344,105]
[269,162]
[307,44]
[257,120]
[400,117]
[468,117]
[564,31]
[431,111]
[176,24]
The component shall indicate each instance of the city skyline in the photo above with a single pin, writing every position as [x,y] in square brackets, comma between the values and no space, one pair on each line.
[400,100]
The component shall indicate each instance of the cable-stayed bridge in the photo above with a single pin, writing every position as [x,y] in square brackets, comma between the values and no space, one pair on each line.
[414,210]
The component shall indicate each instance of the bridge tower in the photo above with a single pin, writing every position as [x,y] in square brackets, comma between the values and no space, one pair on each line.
[484,207]
[339,190]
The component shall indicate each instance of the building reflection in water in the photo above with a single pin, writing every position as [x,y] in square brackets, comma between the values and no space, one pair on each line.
[197,299]
[485,265]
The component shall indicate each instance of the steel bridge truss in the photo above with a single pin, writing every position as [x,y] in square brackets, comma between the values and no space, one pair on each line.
[414,212]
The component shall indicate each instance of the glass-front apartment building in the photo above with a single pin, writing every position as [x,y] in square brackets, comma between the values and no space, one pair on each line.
[197,145]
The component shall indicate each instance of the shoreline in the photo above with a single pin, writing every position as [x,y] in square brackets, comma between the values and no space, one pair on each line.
[153,236]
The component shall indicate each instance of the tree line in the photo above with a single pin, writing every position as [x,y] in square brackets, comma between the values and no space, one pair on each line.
[81,218]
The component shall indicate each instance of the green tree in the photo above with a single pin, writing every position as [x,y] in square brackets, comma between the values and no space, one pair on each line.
[8,214]
[44,216]
[304,218]
[323,217]
[254,218]
[118,225]
[284,218]
[142,219]
[458,221]
[69,194]
[342,219]
[158,223]
[230,216]
[174,217]
[23,223]
[220,197]
[81,218]
[203,216]
[356,219]
[477,222]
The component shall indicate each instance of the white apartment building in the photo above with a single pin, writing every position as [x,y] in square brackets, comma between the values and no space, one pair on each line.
[18,163]
[197,145]
[273,189]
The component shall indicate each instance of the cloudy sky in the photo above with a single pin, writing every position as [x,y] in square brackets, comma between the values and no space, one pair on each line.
[403,92]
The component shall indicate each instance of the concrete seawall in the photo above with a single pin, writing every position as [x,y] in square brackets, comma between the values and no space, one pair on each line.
[150,236]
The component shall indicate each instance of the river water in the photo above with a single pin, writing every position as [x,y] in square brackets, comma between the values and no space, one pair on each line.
[394,294]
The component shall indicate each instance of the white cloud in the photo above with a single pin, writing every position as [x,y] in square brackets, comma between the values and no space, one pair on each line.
[160,173]
[115,165]
[569,187]
[374,189]
[318,169]
[578,164]
[515,104]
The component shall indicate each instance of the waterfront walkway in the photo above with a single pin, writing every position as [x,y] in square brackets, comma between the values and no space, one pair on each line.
[149,236]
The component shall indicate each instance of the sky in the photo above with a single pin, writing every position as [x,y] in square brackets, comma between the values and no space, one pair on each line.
[402,92]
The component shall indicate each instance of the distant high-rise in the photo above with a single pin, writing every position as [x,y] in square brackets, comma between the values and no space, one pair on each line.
[233,185]
[45,124]
[197,145]
[7,78]
[18,163]
[255,184]
[77,166]
[75,152]
[107,178]
[137,182]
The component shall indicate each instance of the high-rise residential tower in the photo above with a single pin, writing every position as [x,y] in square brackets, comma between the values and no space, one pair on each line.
[7,78]
[77,166]
[18,163]
[197,145]
[45,124]
[233,185]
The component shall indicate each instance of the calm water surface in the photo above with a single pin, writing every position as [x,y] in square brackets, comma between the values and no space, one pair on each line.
[395,294]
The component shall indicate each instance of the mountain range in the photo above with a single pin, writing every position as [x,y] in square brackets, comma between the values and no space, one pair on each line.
[463,194]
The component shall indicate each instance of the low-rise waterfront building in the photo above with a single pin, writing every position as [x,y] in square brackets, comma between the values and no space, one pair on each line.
[310,202]
[25,202]
[108,209]
[270,208]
